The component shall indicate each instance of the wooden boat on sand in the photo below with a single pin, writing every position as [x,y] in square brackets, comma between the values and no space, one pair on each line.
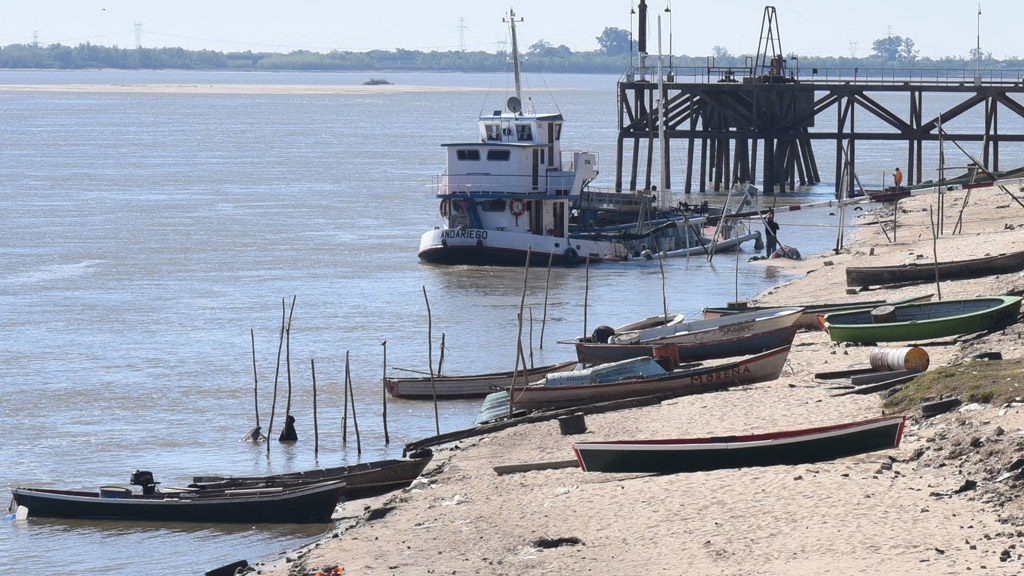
[916,273]
[635,378]
[808,320]
[451,387]
[480,385]
[309,503]
[923,321]
[362,480]
[724,346]
[698,454]
[695,331]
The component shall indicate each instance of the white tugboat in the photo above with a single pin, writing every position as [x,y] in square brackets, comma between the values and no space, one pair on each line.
[512,191]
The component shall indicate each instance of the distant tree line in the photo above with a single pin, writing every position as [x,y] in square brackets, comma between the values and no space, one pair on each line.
[612,57]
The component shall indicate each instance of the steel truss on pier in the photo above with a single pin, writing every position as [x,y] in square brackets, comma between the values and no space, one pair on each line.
[728,114]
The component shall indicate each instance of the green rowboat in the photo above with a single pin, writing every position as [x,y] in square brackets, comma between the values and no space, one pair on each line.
[924,321]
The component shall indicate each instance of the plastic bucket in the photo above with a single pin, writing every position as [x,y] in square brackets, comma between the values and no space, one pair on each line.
[907,358]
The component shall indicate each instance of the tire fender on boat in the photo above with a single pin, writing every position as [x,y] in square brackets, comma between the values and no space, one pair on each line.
[571,255]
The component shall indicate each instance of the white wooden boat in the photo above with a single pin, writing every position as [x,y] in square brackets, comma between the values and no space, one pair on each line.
[449,387]
[707,329]
[634,378]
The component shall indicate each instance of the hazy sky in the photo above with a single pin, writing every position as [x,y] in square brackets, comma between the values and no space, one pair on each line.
[809,27]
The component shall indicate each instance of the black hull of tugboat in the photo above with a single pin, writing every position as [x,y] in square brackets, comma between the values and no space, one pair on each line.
[490,256]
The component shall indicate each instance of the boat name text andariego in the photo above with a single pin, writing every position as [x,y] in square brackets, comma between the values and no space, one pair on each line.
[464,234]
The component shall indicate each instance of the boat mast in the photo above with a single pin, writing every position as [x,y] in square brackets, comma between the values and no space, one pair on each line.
[515,51]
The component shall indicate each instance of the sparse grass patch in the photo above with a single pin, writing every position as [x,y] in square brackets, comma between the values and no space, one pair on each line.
[982,381]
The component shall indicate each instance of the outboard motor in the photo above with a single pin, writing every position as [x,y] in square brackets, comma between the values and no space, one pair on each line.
[144,478]
[601,334]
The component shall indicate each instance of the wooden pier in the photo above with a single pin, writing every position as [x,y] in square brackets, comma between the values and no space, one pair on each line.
[728,114]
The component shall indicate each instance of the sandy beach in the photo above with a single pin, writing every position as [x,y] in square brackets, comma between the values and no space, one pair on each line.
[898,511]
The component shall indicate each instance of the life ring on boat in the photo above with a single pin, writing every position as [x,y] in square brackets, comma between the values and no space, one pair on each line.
[571,255]
[517,207]
[445,205]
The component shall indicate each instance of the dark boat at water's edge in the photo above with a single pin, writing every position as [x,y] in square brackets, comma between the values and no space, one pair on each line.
[312,503]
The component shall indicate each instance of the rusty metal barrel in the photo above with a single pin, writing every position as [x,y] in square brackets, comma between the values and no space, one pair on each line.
[572,424]
[906,358]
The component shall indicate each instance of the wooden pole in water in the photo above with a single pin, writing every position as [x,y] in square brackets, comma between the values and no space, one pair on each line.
[316,430]
[277,371]
[352,398]
[935,253]
[661,266]
[255,380]
[721,221]
[519,336]
[522,358]
[547,284]
[440,360]
[288,362]
[344,403]
[430,360]
[736,279]
[530,339]
[384,393]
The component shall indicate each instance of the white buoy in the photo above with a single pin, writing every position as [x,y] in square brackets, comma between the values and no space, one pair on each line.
[21,513]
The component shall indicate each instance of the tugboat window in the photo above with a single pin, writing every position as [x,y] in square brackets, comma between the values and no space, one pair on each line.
[493,131]
[503,155]
[468,154]
[523,132]
[495,205]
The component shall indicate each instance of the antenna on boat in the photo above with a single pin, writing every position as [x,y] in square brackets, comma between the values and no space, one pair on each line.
[511,19]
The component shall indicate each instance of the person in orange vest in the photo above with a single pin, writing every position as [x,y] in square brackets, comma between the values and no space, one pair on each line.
[897,177]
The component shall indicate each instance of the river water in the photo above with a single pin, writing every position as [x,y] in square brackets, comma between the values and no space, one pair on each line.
[143,235]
